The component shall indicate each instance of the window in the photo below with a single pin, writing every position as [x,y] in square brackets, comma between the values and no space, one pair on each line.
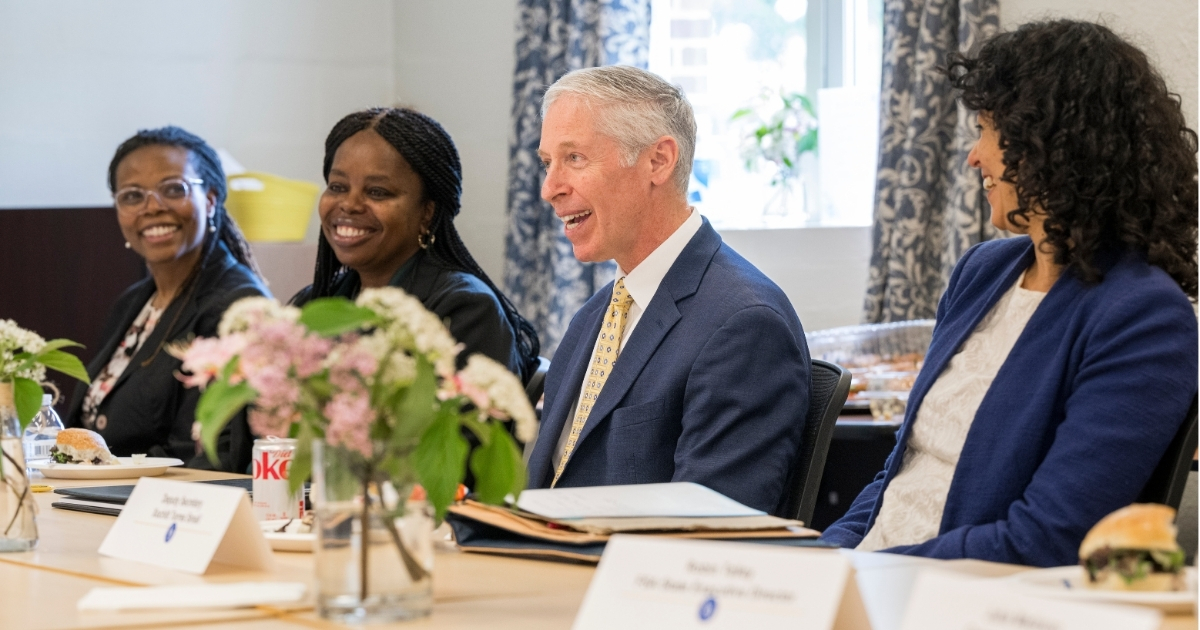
[786,98]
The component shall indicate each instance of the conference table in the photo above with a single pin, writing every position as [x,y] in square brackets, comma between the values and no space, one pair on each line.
[39,589]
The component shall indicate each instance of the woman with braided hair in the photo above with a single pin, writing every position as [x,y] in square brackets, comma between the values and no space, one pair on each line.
[169,192]
[1063,361]
[387,219]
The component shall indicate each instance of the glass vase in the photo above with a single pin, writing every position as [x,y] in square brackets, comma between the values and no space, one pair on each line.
[18,529]
[374,555]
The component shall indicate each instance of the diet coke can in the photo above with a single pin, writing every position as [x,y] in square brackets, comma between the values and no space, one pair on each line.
[272,459]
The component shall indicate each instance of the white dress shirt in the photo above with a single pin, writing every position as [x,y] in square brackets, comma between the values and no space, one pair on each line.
[642,283]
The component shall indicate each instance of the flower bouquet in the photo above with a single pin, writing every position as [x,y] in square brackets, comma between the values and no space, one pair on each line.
[372,385]
[24,358]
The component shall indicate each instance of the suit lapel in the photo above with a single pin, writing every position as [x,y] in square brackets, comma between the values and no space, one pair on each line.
[556,417]
[681,281]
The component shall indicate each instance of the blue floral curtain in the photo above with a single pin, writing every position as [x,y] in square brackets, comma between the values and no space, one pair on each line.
[541,274]
[929,205]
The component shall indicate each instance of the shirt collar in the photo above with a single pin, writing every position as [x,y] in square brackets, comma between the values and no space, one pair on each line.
[642,282]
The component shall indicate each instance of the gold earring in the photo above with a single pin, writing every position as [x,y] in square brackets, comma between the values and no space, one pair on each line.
[425,239]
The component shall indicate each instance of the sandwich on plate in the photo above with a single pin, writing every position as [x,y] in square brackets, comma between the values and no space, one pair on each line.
[1134,549]
[81,446]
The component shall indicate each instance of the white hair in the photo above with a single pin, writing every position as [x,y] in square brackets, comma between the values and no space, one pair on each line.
[635,108]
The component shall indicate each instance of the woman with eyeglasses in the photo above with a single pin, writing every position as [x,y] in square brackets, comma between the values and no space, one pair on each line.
[387,219]
[169,192]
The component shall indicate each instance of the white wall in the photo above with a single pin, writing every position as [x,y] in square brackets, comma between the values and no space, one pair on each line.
[266,80]
[1164,29]
[454,61]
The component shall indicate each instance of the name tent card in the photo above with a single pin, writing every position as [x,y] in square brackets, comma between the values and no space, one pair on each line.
[944,601]
[187,526]
[652,582]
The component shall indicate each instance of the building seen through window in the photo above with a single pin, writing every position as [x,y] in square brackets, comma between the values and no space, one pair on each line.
[786,98]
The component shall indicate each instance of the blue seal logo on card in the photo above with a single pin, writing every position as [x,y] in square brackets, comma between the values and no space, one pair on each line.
[170,533]
[708,608]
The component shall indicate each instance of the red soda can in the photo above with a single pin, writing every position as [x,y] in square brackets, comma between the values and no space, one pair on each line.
[272,460]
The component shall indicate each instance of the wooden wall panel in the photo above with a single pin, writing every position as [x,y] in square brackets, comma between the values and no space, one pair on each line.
[61,270]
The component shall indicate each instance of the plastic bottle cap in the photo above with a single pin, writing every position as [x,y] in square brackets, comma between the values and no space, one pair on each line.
[47,400]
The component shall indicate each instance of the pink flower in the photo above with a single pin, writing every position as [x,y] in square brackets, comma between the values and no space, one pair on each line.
[266,422]
[206,358]
[350,423]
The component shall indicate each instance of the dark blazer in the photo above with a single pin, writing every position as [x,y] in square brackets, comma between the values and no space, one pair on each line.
[148,410]
[712,386]
[1077,418]
[469,308]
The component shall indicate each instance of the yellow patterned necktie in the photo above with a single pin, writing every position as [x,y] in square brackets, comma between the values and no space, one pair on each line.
[608,345]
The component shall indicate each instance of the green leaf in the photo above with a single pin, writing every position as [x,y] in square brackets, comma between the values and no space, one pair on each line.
[301,467]
[55,344]
[68,364]
[808,142]
[217,405]
[741,113]
[27,398]
[416,406]
[497,467]
[335,315]
[440,460]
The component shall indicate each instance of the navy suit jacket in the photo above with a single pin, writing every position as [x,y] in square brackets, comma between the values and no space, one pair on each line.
[711,387]
[1077,418]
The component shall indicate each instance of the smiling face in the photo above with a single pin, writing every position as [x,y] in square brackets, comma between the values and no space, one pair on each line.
[988,157]
[603,204]
[164,231]
[374,208]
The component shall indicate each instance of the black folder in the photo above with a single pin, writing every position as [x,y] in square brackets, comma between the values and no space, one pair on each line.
[120,494]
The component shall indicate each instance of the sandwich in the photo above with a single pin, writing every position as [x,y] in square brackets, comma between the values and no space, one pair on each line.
[81,446]
[1134,549]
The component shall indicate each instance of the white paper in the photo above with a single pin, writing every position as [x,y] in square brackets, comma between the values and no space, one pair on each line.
[186,526]
[238,595]
[652,582]
[947,601]
[681,499]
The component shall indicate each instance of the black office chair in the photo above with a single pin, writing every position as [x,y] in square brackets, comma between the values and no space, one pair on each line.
[1169,478]
[534,389]
[537,382]
[830,386]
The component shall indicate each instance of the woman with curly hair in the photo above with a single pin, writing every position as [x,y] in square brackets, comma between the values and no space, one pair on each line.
[1063,361]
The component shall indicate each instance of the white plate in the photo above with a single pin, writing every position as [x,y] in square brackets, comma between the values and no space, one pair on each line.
[288,541]
[149,467]
[1071,583]
[281,541]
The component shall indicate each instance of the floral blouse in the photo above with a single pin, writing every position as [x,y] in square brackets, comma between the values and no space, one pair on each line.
[141,328]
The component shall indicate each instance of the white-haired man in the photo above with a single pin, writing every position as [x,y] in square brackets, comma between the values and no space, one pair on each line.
[692,365]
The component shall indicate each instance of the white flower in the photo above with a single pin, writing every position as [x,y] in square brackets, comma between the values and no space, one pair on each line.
[12,339]
[247,312]
[410,326]
[493,388]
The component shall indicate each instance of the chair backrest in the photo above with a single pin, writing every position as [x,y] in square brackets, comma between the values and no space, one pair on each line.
[537,382]
[1169,478]
[830,386]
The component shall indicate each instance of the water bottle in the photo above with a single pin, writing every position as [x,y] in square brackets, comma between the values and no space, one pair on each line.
[42,432]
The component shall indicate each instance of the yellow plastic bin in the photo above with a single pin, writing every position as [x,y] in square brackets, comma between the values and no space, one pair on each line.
[269,207]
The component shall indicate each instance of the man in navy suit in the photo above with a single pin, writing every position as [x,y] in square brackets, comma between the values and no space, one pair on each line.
[692,366]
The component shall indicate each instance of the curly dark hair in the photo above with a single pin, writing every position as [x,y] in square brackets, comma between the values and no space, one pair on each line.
[431,153]
[1091,137]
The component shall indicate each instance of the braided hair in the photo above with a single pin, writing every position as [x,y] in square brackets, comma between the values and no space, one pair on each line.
[431,153]
[208,167]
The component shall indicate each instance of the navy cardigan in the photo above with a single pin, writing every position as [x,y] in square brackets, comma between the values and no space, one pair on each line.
[1076,420]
